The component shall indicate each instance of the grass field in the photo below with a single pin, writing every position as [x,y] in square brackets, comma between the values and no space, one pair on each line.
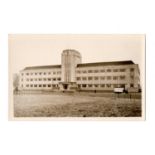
[75,105]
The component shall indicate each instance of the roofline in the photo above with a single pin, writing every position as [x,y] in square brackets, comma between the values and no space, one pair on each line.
[42,67]
[109,63]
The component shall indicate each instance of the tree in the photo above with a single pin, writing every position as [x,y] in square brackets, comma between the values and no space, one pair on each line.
[15,81]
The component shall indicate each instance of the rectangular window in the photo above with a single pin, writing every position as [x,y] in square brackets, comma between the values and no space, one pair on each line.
[102,77]
[84,71]
[102,85]
[90,71]
[31,73]
[49,73]
[40,79]
[122,70]
[31,79]
[49,85]
[78,78]
[78,72]
[35,85]
[115,77]
[108,70]
[122,77]
[122,85]
[40,85]
[40,73]
[108,77]
[31,85]
[96,85]
[115,85]
[102,70]
[131,69]
[54,79]
[27,73]
[90,85]
[84,78]
[44,85]
[131,85]
[115,70]
[90,78]
[35,73]
[54,72]
[49,79]
[95,71]
[27,85]
[27,79]
[84,85]
[108,85]
[96,78]
[44,79]
[44,73]
[59,79]
[132,77]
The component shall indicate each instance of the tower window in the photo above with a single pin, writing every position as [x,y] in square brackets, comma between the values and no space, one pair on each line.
[131,69]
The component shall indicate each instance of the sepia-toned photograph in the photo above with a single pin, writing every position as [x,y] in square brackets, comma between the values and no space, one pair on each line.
[77,76]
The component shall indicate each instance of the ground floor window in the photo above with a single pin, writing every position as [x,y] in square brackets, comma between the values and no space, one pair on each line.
[131,85]
[122,85]
[115,85]
[108,85]
[84,85]
[102,85]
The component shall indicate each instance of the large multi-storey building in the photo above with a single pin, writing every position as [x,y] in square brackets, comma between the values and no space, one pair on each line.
[72,74]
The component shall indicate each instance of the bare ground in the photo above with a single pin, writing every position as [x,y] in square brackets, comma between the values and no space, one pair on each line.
[75,105]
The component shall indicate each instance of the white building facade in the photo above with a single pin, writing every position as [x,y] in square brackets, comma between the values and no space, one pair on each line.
[73,75]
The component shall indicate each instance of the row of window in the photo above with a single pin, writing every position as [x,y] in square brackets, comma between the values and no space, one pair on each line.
[79,85]
[43,79]
[103,85]
[40,85]
[101,78]
[104,70]
[41,73]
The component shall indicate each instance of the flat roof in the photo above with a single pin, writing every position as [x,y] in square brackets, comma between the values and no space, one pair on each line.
[42,67]
[127,62]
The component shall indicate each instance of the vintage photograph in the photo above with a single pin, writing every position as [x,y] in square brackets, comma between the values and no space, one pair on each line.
[93,76]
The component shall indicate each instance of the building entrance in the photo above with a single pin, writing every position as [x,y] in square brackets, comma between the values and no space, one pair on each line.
[65,86]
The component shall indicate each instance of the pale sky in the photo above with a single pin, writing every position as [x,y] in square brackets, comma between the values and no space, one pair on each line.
[35,50]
